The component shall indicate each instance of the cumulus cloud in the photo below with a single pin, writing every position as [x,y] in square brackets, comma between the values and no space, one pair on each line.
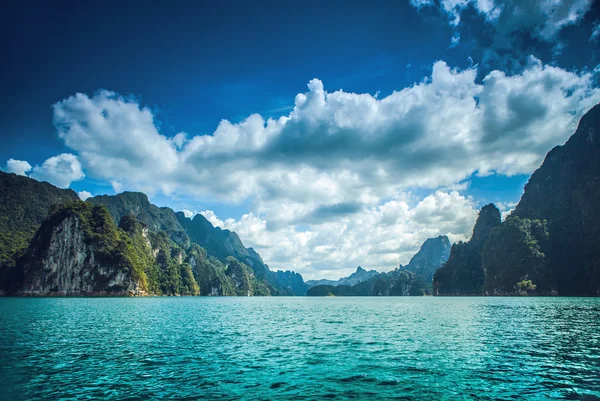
[19,167]
[338,157]
[381,236]
[111,134]
[339,146]
[214,220]
[189,213]
[543,18]
[83,195]
[59,170]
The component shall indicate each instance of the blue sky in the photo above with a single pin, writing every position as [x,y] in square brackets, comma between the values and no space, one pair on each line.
[310,193]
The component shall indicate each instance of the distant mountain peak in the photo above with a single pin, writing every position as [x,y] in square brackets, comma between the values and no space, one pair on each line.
[434,252]
[358,276]
[488,219]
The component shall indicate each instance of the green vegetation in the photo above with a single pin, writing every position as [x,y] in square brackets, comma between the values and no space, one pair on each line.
[331,290]
[565,192]
[523,287]
[222,244]
[395,283]
[109,245]
[137,204]
[463,273]
[208,266]
[291,282]
[513,252]
[551,238]
[408,283]
[24,204]
[151,259]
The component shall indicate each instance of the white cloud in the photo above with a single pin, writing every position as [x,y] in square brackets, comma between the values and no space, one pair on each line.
[189,214]
[59,170]
[341,146]
[595,36]
[116,186]
[83,195]
[543,18]
[212,217]
[505,208]
[112,134]
[380,237]
[179,140]
[339,157]
[19,167]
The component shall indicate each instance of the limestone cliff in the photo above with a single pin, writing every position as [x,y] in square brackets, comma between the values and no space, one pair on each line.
[24,204]
[79,251]
[463,273]
[431,256]
[565,192]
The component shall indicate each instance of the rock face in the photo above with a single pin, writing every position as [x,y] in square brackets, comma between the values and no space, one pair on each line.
[79,251]
[172,266]
[395,283]
[549,244]
[137,204]
[413,279]
[221,244]
[463,273]
[433,254]
[24,204]
[292,282]
[184,231]
[149,253]
[565,192]
[66,257]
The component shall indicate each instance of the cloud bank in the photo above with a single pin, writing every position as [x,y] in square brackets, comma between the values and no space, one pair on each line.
[333,183]
[543,19]
[338,148]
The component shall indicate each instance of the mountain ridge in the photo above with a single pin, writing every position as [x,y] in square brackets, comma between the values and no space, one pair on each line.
[549,244]
[358,276]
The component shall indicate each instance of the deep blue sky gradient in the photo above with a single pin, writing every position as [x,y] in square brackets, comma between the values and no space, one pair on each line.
[196,64]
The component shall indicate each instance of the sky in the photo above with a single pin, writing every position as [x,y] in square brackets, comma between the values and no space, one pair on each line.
[326,134]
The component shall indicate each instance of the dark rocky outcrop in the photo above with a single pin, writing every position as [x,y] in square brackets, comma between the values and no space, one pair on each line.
[433,254]
[291,281]
[463,273]
[514,252]
[61,260]
[79,251]
[565,192]
[221,244]
[549,243]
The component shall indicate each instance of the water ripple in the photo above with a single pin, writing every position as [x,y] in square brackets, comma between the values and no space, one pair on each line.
[300,348]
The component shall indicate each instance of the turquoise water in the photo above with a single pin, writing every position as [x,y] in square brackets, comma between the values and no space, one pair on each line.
[299,348]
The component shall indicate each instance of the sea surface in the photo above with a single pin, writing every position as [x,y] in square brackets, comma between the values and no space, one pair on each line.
[418,348]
